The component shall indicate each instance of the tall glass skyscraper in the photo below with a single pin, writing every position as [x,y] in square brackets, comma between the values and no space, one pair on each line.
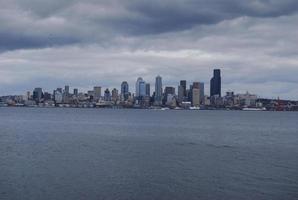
[183,84]
[140,87]
[148,89]
[124,90]
[158,90]
[215,83]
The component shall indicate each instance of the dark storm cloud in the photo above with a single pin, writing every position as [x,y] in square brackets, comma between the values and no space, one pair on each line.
[12,41]
[24,23]
[168,15]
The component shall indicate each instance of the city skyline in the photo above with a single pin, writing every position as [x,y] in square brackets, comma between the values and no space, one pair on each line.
[163,97]
[152,83]
[104,42]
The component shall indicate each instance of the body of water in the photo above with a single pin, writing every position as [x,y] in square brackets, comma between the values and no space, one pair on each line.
[147,154]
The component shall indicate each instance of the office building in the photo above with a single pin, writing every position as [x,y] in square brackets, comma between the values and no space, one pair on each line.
[181,93]
[196,97]
[107,95]
[115,95]
[66,90]
[58,96]
[37,94]
[75,92]
[124,91]
[215,84]
[202,93]
[158,90]
[140,88]
[200,86]
[97,93]
[169,90]
[148,89]
[183,85]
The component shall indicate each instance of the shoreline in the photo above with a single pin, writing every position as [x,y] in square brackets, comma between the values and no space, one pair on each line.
[157,109]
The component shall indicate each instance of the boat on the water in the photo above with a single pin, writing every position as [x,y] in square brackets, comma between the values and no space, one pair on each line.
[194,108]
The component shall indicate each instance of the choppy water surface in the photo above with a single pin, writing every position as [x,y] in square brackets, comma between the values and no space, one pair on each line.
[145,154]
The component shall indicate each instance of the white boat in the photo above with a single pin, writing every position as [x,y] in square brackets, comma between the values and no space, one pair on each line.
[194,108]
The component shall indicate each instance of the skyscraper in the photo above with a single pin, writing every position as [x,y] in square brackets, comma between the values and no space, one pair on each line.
[180,93]
[75,92]
[66,94]
[37,94]
[148,89]
[66,90]
[114,95]
[202,93]
[200,86]
[107,95]
[158,90]
[124,90]
[215,83]
[97,92]
[183,84]
[195,97]
[189,95]
[140,88]
[169,90]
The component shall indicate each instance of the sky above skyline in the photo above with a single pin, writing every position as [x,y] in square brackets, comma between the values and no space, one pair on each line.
[54,43]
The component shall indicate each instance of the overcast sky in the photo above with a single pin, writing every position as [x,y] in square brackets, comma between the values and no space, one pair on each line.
[52,43]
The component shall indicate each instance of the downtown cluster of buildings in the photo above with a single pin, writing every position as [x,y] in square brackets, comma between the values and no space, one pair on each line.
[192,97]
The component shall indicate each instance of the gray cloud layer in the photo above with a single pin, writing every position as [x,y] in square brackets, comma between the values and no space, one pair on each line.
[51,42]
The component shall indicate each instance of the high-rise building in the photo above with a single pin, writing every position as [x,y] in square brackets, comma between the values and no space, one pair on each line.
[196,97]
[169,90]
[158,90]
[75,92]
[181,93]
[183,84]
[28,95]
[189,94]
[66,90]
[147,89]
[202,93]
[124,90]
[215,83]
[66,94]
[58,96]
[37,94]
[140,88]
[200,86]
[97,93]
[47,96]
[114,95]
[107,96]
